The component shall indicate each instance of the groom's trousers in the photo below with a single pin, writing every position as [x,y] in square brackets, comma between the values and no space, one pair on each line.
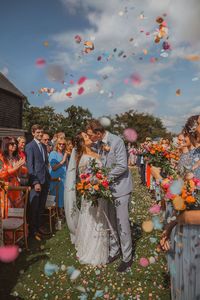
[119,218]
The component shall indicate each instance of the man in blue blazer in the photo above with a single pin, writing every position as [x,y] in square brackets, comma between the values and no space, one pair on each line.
[37,163]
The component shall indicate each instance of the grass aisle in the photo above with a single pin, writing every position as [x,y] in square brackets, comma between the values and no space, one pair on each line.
[26,279]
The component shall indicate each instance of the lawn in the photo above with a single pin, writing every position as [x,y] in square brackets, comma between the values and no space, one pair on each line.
[25,279]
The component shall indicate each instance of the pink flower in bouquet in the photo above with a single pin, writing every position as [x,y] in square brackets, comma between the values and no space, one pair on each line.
[99,175]
[166,183]
[169,195]
[197,181]
[105,184]
[155,209]
[85,176]
[9,253]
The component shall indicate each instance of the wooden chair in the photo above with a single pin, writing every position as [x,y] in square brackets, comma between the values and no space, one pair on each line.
[16,220]
[52,204]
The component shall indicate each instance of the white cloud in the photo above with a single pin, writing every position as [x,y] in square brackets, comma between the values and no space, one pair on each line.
[107,70]
[132,101]
[196,110]
[113,30]
[4,71]
[90,86]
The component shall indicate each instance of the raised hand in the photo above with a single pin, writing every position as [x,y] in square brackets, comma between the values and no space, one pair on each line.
[19,164]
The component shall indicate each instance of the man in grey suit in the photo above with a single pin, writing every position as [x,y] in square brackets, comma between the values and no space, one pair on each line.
[113,154]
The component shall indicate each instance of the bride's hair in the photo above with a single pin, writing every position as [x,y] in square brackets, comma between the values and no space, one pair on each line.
[80,146]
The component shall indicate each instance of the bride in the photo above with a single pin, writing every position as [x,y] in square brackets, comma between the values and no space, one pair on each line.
[88,227]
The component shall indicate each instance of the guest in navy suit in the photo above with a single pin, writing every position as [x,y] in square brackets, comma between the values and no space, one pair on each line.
[37,163]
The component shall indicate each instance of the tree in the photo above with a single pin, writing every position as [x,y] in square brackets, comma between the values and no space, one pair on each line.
[146,125]
[45,116]
[76,120]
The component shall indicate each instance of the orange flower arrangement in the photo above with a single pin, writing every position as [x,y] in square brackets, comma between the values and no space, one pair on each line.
[161,157]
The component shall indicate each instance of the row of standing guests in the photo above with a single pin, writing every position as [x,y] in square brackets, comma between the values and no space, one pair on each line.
[181,235]
[34,164]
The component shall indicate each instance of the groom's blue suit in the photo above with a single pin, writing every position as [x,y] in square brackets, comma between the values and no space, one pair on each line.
[116,159]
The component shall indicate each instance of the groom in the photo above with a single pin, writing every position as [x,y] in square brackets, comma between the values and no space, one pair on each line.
[114,156]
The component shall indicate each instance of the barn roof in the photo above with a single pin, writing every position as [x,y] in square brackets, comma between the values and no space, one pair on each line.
[6,85]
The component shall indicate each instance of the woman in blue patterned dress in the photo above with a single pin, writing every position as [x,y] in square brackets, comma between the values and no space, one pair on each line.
[184,249]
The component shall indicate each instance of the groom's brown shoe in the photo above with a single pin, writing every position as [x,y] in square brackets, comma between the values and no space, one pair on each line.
[111,259]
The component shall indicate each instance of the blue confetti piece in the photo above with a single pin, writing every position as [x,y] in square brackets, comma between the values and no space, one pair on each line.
[156,223]
[97,272]
[70,270]
[176,187]
[49,269]
[98,294]
[153,240]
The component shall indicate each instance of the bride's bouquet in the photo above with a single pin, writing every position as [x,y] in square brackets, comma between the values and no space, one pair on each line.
[93,184]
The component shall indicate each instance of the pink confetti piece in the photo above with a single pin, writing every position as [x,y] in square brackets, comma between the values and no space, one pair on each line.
[136,79]
[40,62]
[69,94]
[82,80]
[130,134]
[9,253]
[80,91]
[144,262]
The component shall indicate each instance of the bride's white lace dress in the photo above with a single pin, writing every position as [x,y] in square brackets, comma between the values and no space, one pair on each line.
[92,236]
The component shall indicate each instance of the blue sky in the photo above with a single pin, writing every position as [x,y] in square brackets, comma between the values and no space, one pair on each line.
[113,26]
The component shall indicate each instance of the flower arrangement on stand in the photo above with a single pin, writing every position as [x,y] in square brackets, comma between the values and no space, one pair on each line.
[164,158]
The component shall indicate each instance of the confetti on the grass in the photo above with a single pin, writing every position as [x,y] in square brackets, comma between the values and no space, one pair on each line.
[147,226]
[157,223]
[50,269]
[144,262]
[75,275]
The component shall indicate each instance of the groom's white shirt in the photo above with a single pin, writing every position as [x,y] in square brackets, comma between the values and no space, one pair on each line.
[105,138]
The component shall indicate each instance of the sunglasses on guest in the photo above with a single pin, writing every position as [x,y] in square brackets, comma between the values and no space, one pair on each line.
[13,144]
[61,144]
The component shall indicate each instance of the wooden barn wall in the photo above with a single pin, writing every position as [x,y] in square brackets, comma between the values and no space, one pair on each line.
[10,110]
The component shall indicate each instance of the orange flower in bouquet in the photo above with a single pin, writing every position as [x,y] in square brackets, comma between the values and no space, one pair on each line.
[94,184]
[181,192]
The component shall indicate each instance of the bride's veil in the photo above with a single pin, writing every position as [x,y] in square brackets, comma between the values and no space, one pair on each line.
[71,210]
